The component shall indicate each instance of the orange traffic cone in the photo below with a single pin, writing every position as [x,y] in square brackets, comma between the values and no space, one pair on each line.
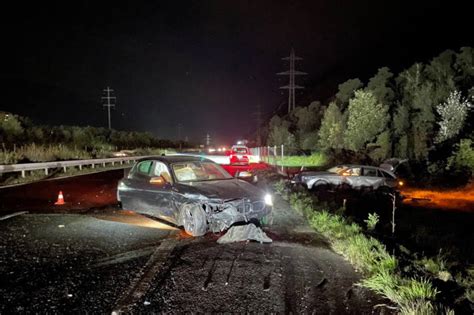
[60,199]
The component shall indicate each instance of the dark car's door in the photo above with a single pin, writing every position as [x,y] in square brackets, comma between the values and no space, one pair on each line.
[130,186]
[142,196]
[160,197]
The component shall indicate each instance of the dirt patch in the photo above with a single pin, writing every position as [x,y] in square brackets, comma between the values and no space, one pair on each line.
[461,199]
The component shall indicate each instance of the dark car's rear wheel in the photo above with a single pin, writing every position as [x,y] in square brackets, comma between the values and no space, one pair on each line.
[193,219]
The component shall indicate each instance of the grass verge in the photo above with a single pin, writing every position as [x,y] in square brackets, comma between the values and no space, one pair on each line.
[380,269]
[316,159]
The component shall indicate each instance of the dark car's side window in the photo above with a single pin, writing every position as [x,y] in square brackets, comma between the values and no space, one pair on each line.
[161,169]
[144,167]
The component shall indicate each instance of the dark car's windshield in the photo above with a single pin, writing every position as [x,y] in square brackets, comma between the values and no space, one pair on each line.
[196,171]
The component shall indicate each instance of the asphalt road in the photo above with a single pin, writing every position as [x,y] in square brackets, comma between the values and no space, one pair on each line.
[97,258]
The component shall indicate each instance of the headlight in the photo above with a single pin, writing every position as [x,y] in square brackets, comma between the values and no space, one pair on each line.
[268,200]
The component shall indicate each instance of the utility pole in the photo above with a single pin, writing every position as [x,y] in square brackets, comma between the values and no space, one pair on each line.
[291,87]
[208,139]
[109,98]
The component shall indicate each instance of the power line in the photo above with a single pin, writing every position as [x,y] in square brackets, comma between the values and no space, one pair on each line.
[291,87]
[108,92]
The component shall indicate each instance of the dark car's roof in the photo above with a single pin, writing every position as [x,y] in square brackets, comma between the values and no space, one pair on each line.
[175,158]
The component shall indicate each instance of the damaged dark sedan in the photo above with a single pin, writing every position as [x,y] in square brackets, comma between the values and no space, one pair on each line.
[192,192]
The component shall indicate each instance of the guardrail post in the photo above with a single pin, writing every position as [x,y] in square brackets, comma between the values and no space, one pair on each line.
[64,169]
[103,164]
[46,171]
[80,167]
[113,163]
[93,165]
[23,174]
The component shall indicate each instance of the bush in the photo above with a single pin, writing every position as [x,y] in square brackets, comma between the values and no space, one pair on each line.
[463,156]
[372,221]
[34,153]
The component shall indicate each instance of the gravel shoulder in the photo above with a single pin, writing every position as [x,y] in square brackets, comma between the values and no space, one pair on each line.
[296,273]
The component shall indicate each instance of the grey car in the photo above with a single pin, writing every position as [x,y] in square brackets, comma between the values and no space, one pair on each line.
[349,175]
[192,192]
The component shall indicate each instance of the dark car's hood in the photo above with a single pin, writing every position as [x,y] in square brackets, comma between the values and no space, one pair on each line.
[222,189]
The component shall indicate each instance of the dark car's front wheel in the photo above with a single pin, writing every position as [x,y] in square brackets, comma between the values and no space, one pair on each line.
[193,219]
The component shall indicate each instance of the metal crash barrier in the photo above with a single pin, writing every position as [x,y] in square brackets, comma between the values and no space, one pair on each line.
[46,166]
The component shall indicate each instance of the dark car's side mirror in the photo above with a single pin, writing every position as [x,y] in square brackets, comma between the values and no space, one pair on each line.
[159,181]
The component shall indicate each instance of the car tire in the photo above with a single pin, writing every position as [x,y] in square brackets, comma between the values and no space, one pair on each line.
[193,219]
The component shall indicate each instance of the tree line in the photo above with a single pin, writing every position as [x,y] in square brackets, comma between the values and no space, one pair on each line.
[17,131]
[424,114]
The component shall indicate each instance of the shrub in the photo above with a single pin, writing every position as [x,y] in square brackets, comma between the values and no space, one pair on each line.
[372,221]
[463,156]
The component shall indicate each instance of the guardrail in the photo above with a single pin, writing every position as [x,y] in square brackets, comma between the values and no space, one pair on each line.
[23,168]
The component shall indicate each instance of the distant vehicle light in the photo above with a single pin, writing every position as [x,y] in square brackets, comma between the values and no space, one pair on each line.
[400,183]
[268,200]
[212,150]
[243,174]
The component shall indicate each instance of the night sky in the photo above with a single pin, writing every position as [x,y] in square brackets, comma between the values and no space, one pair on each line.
[206,64]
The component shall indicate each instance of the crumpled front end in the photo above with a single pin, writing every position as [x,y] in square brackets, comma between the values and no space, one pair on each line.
[221,215]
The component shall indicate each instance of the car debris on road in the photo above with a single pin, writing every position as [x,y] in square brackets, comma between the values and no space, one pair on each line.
[248,232]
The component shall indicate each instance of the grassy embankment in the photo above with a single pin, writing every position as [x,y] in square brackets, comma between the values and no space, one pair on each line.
[34,153]
[381,270]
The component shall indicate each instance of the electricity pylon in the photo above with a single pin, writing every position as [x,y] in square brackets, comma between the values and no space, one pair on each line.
[291,87]
[108,98]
